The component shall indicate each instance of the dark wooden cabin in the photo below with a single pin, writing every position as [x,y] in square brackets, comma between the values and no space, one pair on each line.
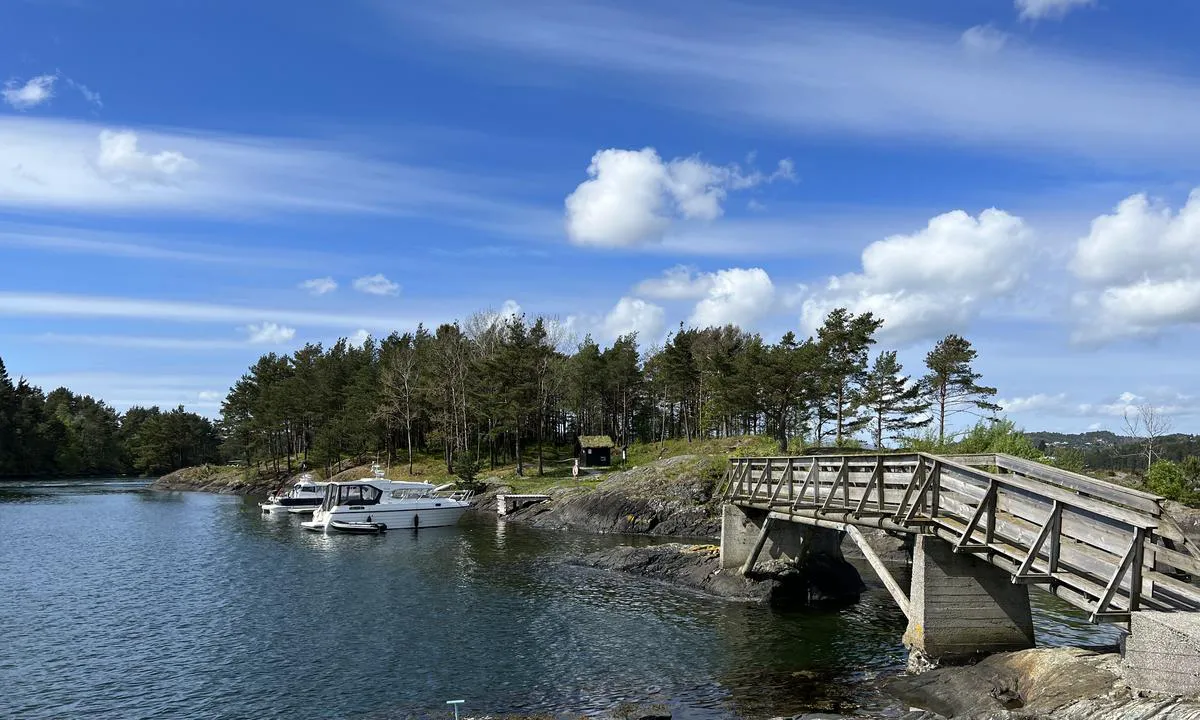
[595,451]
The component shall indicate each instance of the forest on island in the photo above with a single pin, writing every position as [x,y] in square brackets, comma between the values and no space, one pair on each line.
[65,434]
[503,389]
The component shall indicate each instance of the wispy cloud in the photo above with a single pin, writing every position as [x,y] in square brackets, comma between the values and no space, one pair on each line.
[136,246]
[124,390]
[142,342]
[319,286]
[1048,9]
[376,285]
[802,72]
[53,305]
[30,94]
[88,94]
[84,166]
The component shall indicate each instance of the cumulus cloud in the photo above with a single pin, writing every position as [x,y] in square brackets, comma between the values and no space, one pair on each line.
[634,315]
[319,286]
[983,40]
[681,282]
[376,285]
[931,282]
[1141,265]
[1052,9]
[122,161]
[34,92]
[269,333]
[738,296]
[633,196]
[359,338]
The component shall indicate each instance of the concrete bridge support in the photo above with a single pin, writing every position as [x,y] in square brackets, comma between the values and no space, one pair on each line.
[1162,652]
[749,536]
[747,533]
[962,607]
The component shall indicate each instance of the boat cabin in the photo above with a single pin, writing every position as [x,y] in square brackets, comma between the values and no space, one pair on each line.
[595,451]
[360,494]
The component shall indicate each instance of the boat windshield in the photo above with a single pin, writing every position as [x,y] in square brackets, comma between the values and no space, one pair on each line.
[358,495]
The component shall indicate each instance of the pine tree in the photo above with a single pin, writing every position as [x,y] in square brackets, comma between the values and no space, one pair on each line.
[845,340]
[951,386]
[892,401]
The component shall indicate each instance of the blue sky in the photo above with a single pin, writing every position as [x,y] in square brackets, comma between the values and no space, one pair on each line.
[186,185]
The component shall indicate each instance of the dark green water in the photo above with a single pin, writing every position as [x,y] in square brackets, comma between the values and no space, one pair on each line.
[121,602]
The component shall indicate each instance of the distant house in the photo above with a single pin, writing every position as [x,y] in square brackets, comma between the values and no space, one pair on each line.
[595,451]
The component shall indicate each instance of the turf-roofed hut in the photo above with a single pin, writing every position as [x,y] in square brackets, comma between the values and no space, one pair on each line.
[595,451]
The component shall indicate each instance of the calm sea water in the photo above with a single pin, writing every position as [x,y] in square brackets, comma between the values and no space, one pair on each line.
[121,602]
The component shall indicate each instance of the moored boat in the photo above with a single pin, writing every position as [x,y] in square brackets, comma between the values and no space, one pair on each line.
[304,496]
[394,504]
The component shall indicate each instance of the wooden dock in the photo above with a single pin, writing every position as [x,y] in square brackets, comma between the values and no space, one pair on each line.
[508,503]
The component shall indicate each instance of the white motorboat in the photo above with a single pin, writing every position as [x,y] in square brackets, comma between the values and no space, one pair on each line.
[302,497]
[377,504]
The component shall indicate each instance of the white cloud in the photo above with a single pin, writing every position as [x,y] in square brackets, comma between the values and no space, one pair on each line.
[319,286]
[269,333]
[88,94]
[359,338]
[124,390]
[143,343]
[36,91]
[738,296]
[934,281]
[1141,264]
[53,305]
[48,164]
[633,196]
[634,315]
[678,283]
[983,40]
[376,285]
[511,309]
[1054,9]
[1033,403]
[210,397]
[758,66]
[123,162]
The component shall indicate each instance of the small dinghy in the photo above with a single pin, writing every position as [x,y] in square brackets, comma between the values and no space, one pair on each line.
[361,528]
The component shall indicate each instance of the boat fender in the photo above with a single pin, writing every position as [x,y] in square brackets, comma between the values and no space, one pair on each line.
[416,521]
[368,518]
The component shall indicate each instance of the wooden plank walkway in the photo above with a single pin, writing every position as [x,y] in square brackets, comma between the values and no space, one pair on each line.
[1106,549]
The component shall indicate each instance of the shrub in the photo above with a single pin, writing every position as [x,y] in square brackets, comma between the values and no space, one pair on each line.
[1167,479]
[466,469]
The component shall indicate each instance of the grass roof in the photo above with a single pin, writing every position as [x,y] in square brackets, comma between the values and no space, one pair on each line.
[595,441]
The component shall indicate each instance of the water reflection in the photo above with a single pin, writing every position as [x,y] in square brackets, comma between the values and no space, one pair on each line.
[199,606]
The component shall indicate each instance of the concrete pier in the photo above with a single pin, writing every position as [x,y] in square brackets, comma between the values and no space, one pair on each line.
[962,606]
[1162,652]
[742,531]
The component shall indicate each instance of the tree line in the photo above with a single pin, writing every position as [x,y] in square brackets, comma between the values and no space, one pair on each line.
[501,389]
[62,433]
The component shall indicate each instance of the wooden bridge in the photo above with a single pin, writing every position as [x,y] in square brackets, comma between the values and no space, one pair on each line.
[1109,550]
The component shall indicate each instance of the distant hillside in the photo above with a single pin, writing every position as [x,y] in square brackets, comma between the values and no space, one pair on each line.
[1105,450]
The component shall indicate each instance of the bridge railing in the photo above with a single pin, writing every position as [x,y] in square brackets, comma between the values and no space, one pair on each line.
[1107,549]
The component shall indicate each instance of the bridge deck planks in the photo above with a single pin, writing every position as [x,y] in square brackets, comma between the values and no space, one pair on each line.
[1098,524]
